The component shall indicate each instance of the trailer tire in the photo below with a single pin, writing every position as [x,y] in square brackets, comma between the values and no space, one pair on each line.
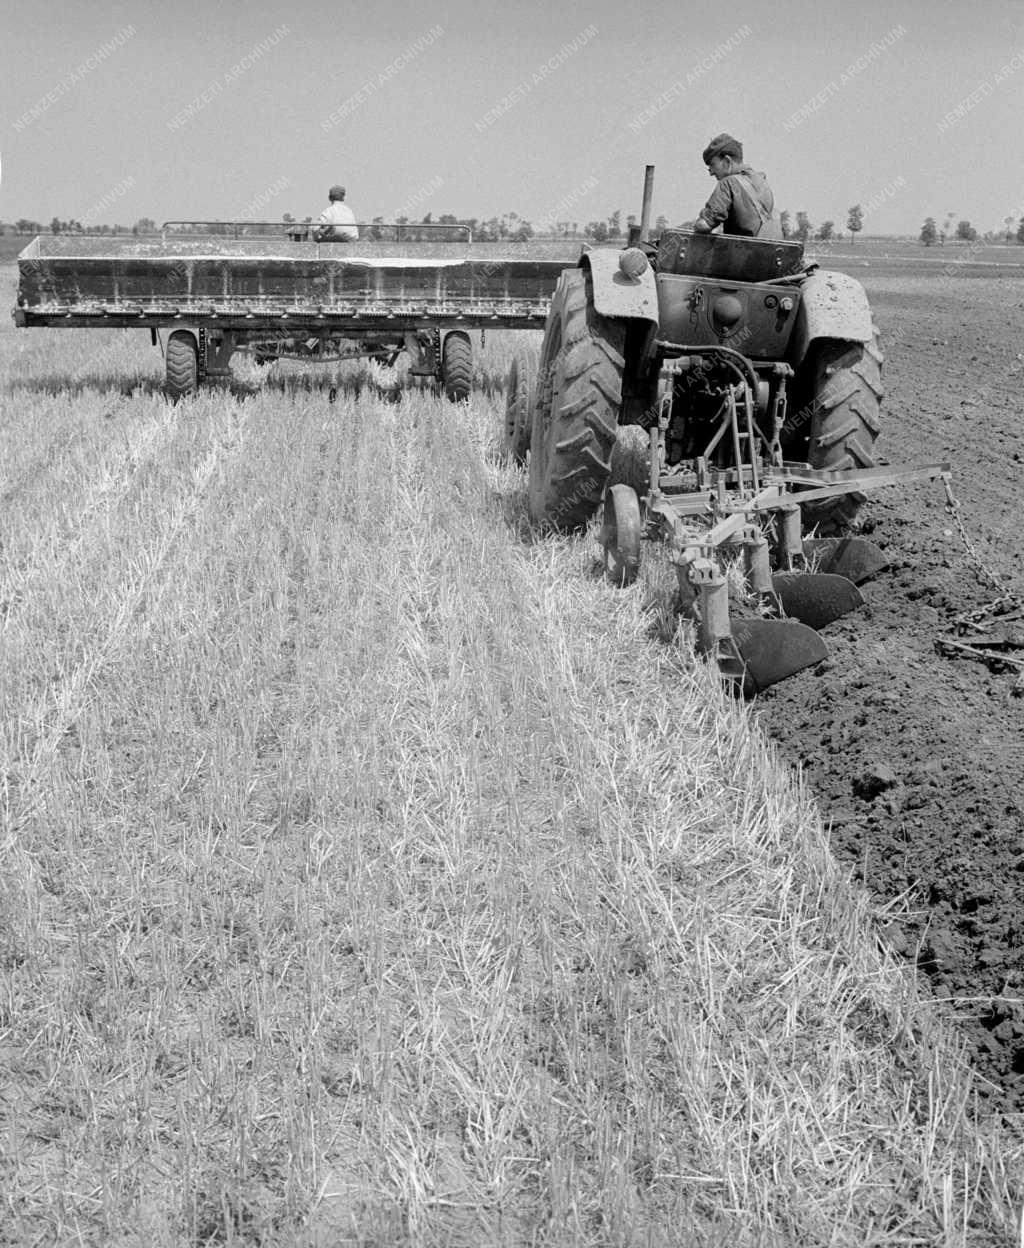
[457,366]
[182,363]
[577,410]
[519,402]
[631,459]
[845,406]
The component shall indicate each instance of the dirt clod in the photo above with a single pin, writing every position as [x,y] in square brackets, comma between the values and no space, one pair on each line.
[877,778]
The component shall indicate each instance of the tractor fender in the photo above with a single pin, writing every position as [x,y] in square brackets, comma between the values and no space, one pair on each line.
[615,294]
[832,305]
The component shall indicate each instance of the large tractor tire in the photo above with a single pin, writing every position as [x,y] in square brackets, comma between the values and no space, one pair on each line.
[579,393]
[457,366]
[182,364]
[845,405]
[519,403]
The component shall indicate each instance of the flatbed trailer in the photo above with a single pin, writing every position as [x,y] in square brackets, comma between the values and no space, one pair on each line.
[217,288]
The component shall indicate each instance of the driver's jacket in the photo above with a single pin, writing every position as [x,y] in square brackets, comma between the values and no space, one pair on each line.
[742,203]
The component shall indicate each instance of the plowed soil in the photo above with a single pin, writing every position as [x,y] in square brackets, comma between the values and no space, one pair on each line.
[917,759]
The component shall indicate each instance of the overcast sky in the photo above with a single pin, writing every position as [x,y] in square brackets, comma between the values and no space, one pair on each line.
[117,109]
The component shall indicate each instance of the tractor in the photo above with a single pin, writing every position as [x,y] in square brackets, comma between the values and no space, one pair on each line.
[716,392]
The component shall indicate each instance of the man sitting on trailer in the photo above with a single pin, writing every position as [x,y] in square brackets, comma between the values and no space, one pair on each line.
[337,222]
[742,202]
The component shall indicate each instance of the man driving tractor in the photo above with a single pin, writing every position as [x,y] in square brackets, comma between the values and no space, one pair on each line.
[742,202]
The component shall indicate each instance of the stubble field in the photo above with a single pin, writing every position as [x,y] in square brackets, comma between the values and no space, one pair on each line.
[374,874]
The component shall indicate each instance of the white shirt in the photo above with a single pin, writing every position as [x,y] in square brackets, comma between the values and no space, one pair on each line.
[339,215]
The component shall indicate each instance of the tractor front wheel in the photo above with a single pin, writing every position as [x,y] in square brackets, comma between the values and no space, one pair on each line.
[620,534]
[182,364]
[577,409]
[457,365]
[631,459]
[521,396]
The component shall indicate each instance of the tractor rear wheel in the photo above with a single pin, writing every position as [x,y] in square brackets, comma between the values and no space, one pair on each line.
[182,364]
[520,398]
[457,366]
[579,393]
[845,407]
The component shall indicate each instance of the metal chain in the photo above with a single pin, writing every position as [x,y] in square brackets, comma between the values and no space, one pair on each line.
[1007,596]
[1008,604]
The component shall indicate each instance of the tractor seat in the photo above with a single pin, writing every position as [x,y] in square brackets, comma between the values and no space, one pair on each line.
[728,256]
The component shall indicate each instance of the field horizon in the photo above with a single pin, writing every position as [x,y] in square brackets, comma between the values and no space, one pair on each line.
[867,247]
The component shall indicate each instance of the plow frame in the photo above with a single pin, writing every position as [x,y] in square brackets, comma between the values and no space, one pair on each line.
[751,516]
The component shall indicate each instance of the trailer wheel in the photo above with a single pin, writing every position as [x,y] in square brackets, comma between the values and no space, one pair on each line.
[457,366]
[577,409]
[631,459]
[182,363]
[522,393]
[620,535]
[845,407]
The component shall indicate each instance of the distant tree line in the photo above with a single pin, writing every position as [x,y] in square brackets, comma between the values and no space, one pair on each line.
[932,233]
[509,226]
[512,227]
[803,230]
[144,225]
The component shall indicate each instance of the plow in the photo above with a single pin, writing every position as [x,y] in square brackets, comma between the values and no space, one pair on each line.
[751,542]
[722,396]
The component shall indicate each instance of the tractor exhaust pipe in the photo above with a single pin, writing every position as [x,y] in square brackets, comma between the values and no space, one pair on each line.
[645,207]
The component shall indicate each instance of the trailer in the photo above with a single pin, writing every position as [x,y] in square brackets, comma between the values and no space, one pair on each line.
[208,290]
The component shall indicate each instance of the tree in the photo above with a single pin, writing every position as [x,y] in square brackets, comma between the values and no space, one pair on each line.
[288,219]
[1020,231]
[597,230]
[945,228]
[855,221]
[1008,222]
[826,231]
[966,232]
[803,227]
[56,225]
[784,224]
[929,234]
[615,224]
[144,225]
[523,232]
